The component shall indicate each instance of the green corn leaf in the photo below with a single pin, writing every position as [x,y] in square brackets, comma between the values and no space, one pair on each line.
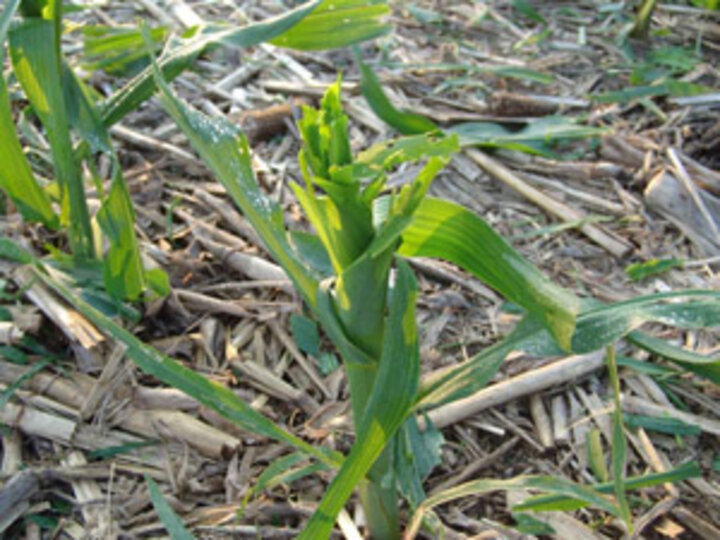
[388,406]
[213,395]
[118,50]
[16,177]
[541,483]
[333,327]
[535,138]
[285,470]
[174,525]
[446,230]
[639,271]
[405,123]
[83,114]
[306,335]
[34,50]
[619,444]
[7,15]
[669,425]
[597,327]
[224,149]
[389,154]
[705,366]
[596,455]
[416,454]
[551,503]
[181,52]
[122,265]
[402,206]
[335,24]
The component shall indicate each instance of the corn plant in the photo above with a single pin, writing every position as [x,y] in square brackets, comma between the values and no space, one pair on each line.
[352,275]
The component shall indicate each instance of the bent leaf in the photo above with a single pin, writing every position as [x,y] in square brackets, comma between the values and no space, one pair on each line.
[215,396]
[600,326]
[558,502]
[705,366]
[448,231]
[542,483]
[405,123]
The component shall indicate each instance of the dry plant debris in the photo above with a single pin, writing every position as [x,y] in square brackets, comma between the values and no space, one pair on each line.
[82,432]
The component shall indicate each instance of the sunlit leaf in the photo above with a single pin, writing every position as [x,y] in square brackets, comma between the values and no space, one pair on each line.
[448,231]
[337,23]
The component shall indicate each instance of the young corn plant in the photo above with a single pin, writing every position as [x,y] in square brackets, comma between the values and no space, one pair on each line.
[366,304]
[352,274]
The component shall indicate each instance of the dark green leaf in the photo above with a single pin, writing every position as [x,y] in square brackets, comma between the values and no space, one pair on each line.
[306,334]
[405,123]
[174,525]
[706,366]
[671,426]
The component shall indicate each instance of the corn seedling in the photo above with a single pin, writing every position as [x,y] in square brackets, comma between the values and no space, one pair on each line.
[352,275]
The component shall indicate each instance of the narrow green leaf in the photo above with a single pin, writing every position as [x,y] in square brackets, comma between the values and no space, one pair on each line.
[638,271]
[8,392]
[182,52]
[703,365]
[619,443]
[11,251]
[416,454]
[468,377]
[174,525]
[337,23]
[597,327]
[224,149]
[405,123]
[16,177]
[449,231]
[541,483]
[213,395]
[122,266]
[550,503]
[534,138]
[109,452]
[388,406]
[34,50]
[669,425]
[596,455]
[305,332]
